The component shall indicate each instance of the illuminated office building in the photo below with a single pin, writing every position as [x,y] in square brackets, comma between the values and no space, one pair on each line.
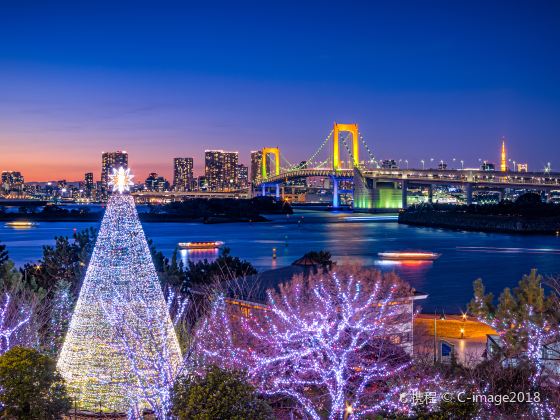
[183,179]
[110,161]
[242,176]
[256,162]
[89,185]
[220,170]
[12,181]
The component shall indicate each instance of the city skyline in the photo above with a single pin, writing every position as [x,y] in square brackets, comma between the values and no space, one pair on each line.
[199,167]
[443,82]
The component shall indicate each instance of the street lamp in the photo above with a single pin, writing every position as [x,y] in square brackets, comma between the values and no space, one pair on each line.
[347,411]
[441,318]
[422,161]
[406,161]
[462,164]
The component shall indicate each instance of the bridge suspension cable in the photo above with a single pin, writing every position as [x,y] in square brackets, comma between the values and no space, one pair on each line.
[290,164]
[314,155]
[370,153]
[320,165]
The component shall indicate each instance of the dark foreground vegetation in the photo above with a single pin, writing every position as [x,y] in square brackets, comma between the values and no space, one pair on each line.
[528,214]
[217,210]
[214,210]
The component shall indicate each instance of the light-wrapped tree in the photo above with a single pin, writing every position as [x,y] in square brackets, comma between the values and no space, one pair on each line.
[330,341]
[94,359]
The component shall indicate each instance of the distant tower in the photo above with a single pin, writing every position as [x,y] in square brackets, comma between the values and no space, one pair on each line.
[503,165]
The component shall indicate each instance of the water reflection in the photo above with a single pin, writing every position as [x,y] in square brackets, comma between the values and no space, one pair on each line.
[196,255]
[20,225]
[410,264]
[499,259]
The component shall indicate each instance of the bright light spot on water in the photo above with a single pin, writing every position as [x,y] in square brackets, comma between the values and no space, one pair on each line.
[387,263]
[386,218]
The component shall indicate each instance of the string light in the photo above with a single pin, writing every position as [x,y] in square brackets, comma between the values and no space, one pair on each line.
[121,180]
[110,357]
[535,332]
[9,331]
[324,341]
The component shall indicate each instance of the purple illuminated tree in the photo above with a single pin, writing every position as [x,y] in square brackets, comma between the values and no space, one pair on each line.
[15,323]
[333,342]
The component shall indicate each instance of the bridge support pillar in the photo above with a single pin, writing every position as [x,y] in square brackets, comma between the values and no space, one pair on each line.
[335,202]
[468,193]
[404,194]
[277,191]
[430,193]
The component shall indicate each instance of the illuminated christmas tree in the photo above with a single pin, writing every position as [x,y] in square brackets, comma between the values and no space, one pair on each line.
[120,333]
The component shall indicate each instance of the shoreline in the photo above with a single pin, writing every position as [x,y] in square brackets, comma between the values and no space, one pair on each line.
[482,223]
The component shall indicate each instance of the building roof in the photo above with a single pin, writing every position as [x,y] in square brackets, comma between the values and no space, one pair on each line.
[305,261]
[253,288]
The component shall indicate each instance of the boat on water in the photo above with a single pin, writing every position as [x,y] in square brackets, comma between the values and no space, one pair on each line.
[20,224]
[409,255]
[201,245]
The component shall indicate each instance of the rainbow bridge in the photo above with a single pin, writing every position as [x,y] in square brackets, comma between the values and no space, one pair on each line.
[377,189]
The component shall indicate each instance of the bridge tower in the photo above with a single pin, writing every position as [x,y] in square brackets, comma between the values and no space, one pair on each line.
[275,151]
[350,128]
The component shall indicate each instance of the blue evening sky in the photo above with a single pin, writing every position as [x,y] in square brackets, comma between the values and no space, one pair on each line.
[423,79]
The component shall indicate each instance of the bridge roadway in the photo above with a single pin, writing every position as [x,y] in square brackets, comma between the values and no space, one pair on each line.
[467,179]
[477,178]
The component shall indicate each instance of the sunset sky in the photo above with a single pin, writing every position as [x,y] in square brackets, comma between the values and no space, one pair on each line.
[167,79]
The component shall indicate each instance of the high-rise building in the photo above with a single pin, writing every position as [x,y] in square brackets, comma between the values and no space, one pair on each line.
[12,181]
[242,176]
[183,179]
[213,169]
[220,169]
[503,164]
[89,185]
[110,161]
[256,162]
[231,160]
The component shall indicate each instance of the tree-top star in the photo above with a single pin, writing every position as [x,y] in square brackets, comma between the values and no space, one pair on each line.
[121,180]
